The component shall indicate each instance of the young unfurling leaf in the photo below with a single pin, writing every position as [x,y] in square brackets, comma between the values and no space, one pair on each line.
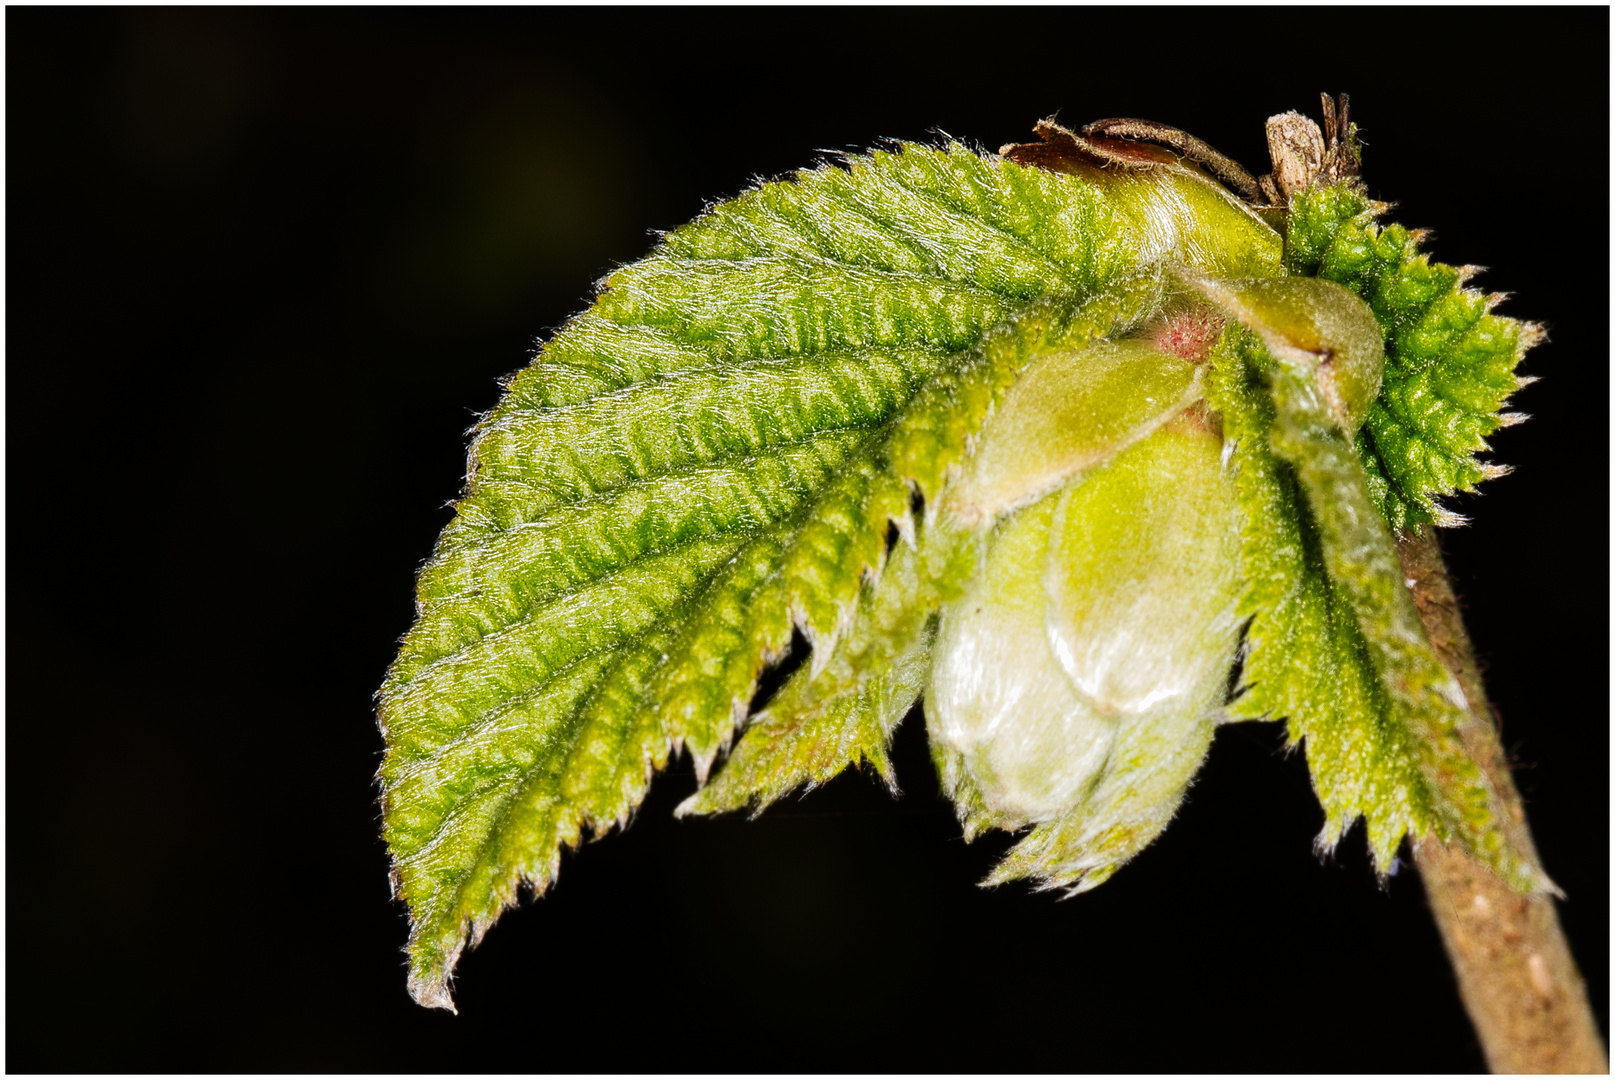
[1040,436]
[1076,681]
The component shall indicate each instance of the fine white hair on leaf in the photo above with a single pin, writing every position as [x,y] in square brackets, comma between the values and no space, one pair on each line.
[1446,519]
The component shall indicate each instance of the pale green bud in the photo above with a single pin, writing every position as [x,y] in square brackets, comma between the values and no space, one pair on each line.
[1070,411]
[998,696]
[1095,644]
[1315,325]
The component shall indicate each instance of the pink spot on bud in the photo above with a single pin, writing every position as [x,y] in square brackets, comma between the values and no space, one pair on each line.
[1190,336]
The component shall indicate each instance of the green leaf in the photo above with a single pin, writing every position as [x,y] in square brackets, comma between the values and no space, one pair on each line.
[710,458]
[1336,643]
[1449,362]
[1361,557]
[1305,660]
[843,712]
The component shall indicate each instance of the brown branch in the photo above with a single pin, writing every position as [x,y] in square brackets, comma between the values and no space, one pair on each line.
[1515,972]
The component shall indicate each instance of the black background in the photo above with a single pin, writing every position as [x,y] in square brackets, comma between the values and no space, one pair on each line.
[263,269]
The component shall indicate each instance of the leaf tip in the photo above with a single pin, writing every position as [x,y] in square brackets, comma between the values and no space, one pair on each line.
[432,991]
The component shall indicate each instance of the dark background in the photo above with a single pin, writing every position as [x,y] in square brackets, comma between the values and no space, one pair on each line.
[263,269]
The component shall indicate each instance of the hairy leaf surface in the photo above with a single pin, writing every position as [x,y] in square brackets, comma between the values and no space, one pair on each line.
[844,711]
[707,459]
[1449,362]
[1336,644]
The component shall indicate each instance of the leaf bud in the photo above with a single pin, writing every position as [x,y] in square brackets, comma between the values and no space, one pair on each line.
[1070,411]
[1312,324]
[1096,641]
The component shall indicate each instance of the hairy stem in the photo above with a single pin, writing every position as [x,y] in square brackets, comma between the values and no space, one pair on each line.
[1515,972]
